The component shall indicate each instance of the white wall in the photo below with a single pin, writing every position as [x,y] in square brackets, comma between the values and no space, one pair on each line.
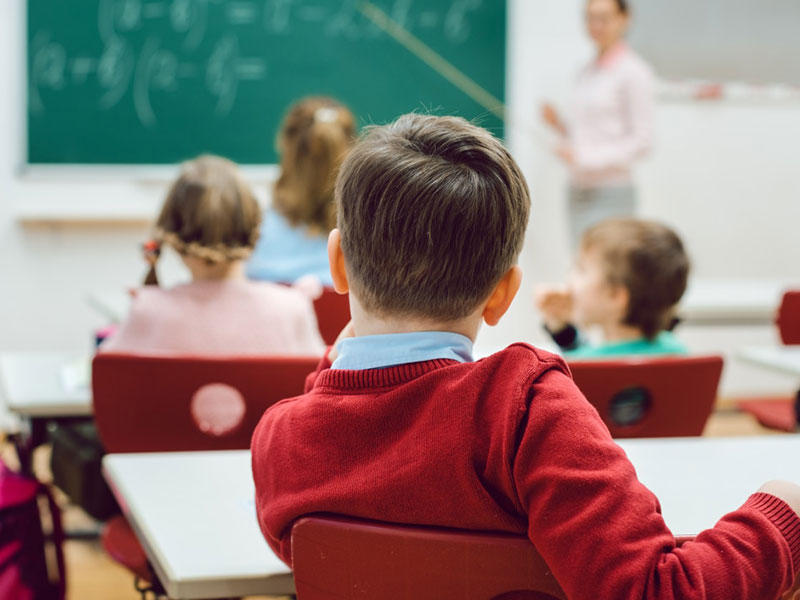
[723,175]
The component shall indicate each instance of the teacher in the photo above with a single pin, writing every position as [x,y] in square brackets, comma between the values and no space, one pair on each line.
[610,125]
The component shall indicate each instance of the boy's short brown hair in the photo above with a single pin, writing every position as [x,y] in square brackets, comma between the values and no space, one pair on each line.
[650,261]
[210,212]
[432,213]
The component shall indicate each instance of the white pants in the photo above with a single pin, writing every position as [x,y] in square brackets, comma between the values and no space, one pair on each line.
[589,206]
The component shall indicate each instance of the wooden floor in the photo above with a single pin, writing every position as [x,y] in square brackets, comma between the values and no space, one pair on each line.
[92,575]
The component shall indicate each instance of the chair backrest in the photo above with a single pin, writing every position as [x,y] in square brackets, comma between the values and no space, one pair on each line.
[651,397]
[788,318]
[334,557]
[333,313]
[166,404]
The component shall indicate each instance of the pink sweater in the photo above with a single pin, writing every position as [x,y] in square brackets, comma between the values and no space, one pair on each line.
[612,118]
[219,318]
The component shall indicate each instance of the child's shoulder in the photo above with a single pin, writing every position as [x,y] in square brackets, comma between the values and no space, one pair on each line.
[523,363]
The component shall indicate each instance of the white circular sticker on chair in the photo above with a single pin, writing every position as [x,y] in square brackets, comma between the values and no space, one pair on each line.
[217,408]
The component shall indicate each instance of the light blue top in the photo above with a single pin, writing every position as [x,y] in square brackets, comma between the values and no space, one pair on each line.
[284,253]
[381,351]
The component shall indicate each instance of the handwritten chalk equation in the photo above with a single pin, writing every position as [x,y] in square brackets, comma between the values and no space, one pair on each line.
[344,19]
[153,50]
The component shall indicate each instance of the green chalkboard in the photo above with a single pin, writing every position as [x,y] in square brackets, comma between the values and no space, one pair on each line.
[159,81]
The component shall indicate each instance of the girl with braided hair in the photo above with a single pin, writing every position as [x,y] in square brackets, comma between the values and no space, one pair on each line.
[211,219]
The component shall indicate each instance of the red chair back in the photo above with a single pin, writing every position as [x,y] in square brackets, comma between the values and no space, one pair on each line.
[333,313]
[651,397]
[166,404]
[338,558]
[788,319]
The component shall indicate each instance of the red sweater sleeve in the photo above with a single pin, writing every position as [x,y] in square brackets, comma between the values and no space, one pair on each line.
[601,531]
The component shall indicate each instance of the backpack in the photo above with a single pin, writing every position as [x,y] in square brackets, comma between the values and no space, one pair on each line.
[27,571]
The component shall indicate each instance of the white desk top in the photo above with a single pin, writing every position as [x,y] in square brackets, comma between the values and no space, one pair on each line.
[45,384]
[732,300]
[783,359]
[195,516]
[698,480]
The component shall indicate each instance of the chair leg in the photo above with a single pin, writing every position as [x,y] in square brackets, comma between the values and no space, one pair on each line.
[146,588]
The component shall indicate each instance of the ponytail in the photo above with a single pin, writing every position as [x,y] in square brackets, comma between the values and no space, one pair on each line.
[316,135]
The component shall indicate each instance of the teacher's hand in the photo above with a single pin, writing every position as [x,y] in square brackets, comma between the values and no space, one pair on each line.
[565,153]
[551,117]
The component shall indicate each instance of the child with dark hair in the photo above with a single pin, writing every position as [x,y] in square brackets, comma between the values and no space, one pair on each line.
[400,425]
[627,280]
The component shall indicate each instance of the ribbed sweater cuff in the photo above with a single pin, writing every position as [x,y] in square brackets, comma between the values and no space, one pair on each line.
[783,517]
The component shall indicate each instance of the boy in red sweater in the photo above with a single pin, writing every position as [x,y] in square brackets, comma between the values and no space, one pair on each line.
[399,424]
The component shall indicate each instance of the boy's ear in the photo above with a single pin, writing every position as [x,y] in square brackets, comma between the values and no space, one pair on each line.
[502,296]
[336,262]
[621,297]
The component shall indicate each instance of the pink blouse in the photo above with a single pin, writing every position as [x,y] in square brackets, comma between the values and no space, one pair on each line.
[612,118]
[228,317]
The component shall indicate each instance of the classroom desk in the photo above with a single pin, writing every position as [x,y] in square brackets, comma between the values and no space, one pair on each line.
[194,514]
[782,359]
[41,388]
[732,301]
[698,480]
[35,385]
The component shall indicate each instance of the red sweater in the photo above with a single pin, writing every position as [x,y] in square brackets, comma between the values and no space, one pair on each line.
[505,444]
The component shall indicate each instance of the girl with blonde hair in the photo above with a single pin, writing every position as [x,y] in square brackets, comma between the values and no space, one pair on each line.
[315,137]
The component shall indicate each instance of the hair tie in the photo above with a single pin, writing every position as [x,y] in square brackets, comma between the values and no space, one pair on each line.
[326,115]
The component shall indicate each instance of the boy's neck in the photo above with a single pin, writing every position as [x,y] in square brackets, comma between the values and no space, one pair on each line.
[614,332]
[365,323]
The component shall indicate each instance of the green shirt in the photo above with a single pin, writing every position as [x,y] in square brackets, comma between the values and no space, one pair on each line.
[664,343]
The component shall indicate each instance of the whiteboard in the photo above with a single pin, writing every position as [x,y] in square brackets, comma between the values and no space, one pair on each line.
[752,41]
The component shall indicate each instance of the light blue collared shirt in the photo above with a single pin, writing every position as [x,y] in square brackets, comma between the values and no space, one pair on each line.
[381,351]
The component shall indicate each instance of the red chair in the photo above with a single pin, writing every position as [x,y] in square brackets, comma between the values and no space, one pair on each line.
[788,318]
[169,404]
[333,313]
[651,397]
[338,558]
[779,413]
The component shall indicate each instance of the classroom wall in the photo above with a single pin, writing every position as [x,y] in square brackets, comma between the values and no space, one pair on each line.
[722,174]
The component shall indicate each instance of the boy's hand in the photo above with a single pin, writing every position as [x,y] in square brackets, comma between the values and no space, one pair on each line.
[555,305]
[347,332]
[793,593]
[788,492]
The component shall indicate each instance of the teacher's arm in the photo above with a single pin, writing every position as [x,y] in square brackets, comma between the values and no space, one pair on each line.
[638,105]
[551,117]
